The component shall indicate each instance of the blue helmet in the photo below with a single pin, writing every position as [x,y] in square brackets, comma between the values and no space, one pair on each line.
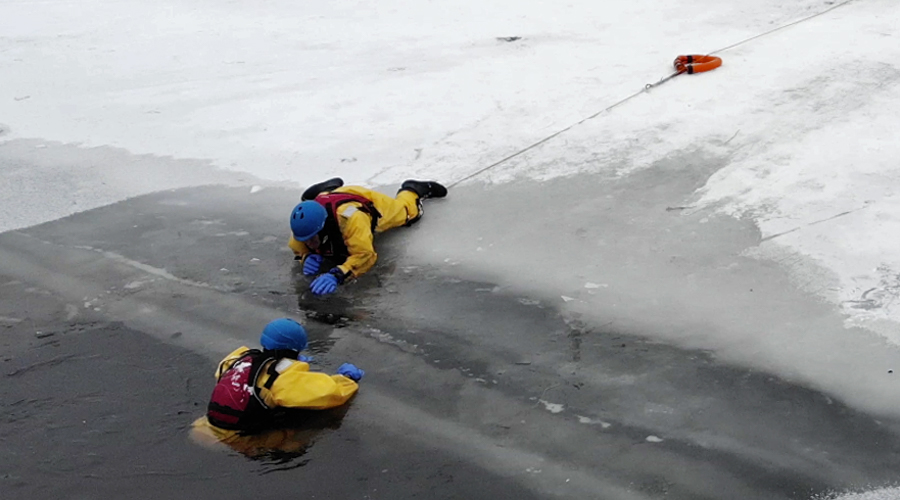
[307,219]
[283,334]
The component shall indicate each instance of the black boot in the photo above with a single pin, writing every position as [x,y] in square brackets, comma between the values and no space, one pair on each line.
[316,189]
[425,189]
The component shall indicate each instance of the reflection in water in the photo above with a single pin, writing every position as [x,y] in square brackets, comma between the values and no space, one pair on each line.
[278,448]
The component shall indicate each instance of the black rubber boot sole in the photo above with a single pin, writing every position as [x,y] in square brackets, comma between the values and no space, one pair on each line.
[316,189]
[425,189]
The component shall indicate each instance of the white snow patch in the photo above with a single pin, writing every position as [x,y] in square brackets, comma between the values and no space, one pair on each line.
[566,299]
[879,494]
[592,421]
[256,189]
[654,439]
[131,285]
[590,285]
[552,407]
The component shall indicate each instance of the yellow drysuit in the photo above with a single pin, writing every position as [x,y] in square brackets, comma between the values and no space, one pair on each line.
[356,226]
[289,440]
[295,387]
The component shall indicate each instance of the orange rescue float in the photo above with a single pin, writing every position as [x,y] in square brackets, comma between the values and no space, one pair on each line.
[696,64]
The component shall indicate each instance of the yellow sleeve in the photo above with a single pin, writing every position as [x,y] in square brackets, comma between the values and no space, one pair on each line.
[297,387]
[357,233]
[298,247]
[229,360]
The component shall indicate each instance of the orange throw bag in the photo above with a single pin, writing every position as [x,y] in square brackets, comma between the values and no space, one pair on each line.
[696,64]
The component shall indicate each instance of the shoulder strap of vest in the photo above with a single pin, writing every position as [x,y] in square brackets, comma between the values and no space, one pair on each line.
[331,202]
[260,359]
[275,355]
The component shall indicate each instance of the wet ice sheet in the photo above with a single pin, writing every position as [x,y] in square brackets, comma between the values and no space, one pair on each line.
[460,365]
[678,277]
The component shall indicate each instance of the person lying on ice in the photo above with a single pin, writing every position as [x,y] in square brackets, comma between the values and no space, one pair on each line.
[254,385]
[339,222]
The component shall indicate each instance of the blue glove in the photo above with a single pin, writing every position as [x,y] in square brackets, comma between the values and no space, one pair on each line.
[305,359]
[325,283]
[350,371]
[311,264]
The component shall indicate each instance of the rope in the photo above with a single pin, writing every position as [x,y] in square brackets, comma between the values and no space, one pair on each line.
[545,139]
[773,30]
[645,89]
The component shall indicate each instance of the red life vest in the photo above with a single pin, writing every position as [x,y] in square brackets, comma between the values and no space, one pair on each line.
[331,241]
[235,403]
